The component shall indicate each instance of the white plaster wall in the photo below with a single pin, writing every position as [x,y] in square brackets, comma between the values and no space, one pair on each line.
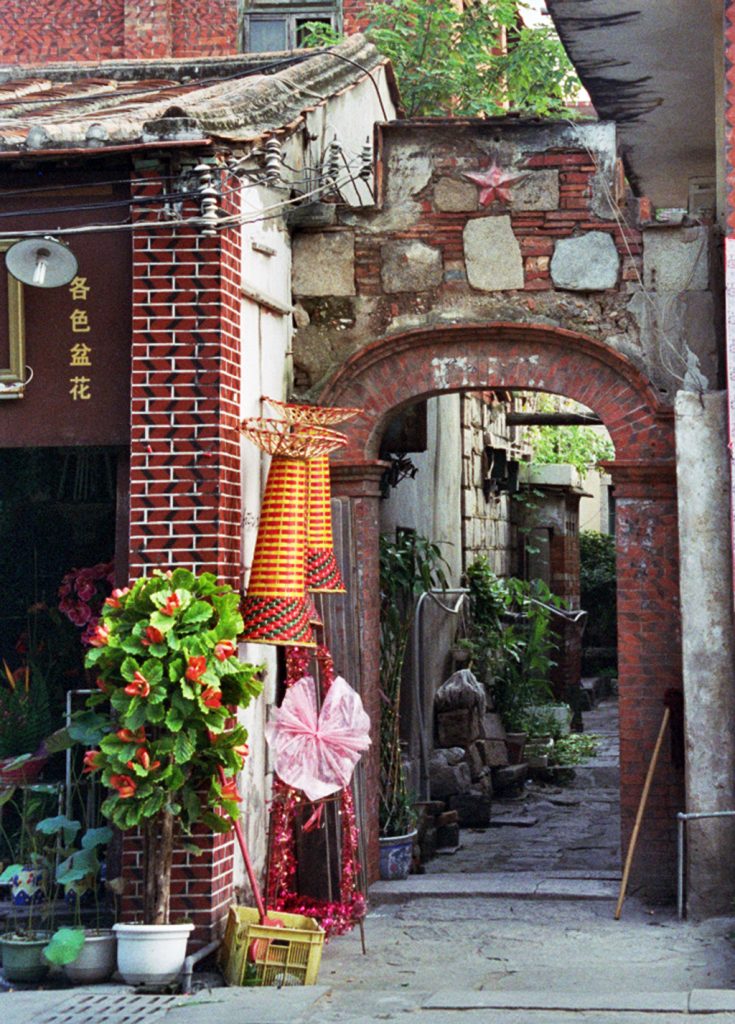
[266,345]
[430,503]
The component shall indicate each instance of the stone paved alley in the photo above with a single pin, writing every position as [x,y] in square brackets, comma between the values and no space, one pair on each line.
[514,928]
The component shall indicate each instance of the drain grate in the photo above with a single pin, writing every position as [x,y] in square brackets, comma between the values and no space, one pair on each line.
[122,1008]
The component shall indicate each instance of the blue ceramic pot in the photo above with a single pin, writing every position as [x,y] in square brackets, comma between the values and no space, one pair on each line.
[395,856]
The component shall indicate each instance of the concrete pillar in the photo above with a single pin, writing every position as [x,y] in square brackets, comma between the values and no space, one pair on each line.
[708,647]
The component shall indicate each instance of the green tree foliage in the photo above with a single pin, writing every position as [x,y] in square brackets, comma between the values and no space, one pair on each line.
[578,446]
[598,588]
[452,63]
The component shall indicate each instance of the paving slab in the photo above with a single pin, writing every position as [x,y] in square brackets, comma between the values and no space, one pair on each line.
[505,884]
[646,1002]
[712,1000]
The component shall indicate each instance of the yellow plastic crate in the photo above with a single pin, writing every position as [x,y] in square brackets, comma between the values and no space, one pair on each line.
[282,956]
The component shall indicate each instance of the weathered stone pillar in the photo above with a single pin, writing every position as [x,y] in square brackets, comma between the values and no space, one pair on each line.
[649,663]
[708,649]
[359,485]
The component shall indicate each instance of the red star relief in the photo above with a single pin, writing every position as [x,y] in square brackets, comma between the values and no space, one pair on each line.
[494,184]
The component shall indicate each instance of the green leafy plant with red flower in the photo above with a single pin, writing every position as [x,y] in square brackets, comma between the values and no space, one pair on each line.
[165,657]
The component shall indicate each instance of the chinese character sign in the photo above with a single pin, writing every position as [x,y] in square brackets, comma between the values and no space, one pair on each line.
[79,352]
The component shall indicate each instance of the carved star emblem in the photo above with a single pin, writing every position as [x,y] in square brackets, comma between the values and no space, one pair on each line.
[495,184]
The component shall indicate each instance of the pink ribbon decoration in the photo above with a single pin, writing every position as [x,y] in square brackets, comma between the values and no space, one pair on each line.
[316,751]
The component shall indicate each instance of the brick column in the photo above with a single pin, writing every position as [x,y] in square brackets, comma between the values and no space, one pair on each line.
[649,663]
[185,465]
[360,485]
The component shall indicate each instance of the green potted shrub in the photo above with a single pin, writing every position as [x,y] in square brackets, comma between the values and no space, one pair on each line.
[409,566]
[164,655]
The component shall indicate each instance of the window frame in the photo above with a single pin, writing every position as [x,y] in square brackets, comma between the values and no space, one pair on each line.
[291,14]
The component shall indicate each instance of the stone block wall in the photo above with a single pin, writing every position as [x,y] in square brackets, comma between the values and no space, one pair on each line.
[487,527]
[508,221]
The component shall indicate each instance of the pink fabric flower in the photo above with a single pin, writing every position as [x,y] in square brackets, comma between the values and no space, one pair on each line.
[316,751]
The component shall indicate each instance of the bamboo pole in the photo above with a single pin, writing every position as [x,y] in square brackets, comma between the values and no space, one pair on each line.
[641,809]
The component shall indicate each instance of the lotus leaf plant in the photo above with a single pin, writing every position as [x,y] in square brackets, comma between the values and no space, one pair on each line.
[168,746]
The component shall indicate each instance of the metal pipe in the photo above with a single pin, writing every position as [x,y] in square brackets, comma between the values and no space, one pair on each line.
[682,819]
[417,680]
[191,960]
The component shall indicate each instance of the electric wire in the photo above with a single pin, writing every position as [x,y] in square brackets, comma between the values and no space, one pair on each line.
[236,220]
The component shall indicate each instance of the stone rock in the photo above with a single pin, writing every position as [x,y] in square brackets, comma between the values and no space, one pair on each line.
[455,728]
[473,808]
[461,690]
[428,844]
[496,753]
[447,835]
[510,781]
[430,809]
[324,263]
[676,260]
[474,760]
[300,316]
[447,779]
[410,266]
[492,254]
[538,190]
[452,196]
[447,818]
[453,755]
[494,728]
[589,263]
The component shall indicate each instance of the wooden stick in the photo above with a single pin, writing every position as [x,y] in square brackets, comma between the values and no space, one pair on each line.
[641,809]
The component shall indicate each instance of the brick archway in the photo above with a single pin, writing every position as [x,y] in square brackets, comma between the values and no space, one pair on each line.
[395,372]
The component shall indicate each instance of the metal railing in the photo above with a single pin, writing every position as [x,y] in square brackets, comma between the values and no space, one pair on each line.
[681,821]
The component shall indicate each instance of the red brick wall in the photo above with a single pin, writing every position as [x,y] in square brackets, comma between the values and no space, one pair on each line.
[355,14]
[51,30]
[59,30]
[185,457]
[389,374]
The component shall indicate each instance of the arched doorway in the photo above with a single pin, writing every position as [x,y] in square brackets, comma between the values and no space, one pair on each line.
[394,372]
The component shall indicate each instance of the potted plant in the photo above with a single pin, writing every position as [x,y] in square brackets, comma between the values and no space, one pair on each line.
[86,954]
[169,682]
[409,566]
[24,722]
[30,879]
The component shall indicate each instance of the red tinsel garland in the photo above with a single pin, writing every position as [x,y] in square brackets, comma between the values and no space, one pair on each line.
[338,916]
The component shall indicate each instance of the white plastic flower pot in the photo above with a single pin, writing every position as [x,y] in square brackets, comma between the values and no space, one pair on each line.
[96,962]
[151,954]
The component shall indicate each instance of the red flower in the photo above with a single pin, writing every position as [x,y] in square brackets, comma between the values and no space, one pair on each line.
[224,649]
[92,761]
[212,698]
[243,750]
[114,599]
[140,687]
[101,685]
[124,785]
[229,791]
[197,667]
[100,637]
[153,636]
[171,604]
[128,736]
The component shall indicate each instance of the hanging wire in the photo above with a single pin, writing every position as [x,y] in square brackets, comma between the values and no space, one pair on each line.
[235,220]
